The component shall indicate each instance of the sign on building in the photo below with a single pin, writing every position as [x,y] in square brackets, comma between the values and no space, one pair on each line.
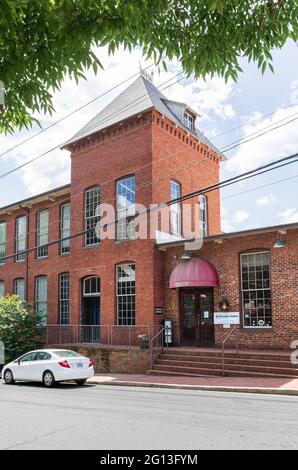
[226,318]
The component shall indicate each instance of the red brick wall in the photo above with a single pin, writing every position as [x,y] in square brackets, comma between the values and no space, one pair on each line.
[284,283]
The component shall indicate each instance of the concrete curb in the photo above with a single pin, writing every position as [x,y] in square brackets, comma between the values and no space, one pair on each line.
[205,388]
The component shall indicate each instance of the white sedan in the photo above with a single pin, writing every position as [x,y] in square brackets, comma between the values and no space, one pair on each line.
[49,366]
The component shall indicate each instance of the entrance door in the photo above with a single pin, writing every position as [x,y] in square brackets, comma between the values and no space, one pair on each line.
[197,325]
[90,316]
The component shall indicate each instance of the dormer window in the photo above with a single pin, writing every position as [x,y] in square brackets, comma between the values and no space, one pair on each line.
[189,120]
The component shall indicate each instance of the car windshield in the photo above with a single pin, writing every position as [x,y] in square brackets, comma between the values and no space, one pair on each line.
[66,354]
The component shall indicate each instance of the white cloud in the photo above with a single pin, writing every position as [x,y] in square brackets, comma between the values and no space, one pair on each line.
[231,221]
[288,216]
[265,200]
[273,145]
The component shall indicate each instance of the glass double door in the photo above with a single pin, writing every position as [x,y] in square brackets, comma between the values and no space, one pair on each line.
[197,323]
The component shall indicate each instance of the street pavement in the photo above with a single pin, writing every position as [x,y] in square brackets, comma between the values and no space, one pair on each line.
[108,417]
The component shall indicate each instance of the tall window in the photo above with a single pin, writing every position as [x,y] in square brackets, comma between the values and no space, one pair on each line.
[92,200]
[175,192]
[126,291]
[42,231]
[256,291]
[41,298]
[2,288]
[126,199]
[19,288]
[189,120]
[64,299]
[203,215]
[2,241]
[65,228]
[20,238]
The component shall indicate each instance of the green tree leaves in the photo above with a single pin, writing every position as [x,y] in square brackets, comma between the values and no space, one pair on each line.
[42,42]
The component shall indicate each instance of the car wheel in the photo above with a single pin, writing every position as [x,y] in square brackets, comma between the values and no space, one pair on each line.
[80,382]
[8,377]
[48,379]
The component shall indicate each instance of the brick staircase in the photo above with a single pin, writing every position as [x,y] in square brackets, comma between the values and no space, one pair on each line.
[208,363]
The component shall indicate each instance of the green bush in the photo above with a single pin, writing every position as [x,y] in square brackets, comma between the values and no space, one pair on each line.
[19,327]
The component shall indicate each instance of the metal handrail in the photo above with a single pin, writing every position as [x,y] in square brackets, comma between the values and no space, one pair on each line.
[164,329]
[236,328]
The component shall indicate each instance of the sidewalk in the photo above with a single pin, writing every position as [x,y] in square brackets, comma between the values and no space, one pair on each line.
[223,384]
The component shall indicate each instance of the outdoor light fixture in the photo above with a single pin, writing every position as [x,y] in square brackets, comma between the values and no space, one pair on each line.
[224,304]
[185,256]
[279,243]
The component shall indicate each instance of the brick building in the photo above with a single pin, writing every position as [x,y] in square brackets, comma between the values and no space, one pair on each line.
[146,149]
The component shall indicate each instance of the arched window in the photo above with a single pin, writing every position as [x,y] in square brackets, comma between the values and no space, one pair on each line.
[19,288]
[2,288]
[91,286]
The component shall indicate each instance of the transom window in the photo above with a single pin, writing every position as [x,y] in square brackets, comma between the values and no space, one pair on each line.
[65,229]
[2,242]
[20,238]
[91,286]
[92,201]
[203,215]
[256,291]
[41,298]
[125,205]
[2,288]
[42,234]
[126,292]
[189,120]
[19,288]
[64,299]
[175,209]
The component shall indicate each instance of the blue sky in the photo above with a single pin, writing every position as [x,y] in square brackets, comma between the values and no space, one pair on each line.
[221,106]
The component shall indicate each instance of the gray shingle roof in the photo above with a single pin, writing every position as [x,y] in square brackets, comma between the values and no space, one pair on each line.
[140,96]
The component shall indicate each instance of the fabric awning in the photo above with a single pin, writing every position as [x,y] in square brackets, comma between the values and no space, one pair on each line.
[197,272]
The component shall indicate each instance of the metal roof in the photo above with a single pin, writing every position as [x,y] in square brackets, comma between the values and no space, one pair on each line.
[140,96]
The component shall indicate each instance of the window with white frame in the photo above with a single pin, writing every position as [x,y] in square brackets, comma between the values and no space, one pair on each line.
[126,294]
[64,299]
[203,215]
[2,242]
[19,288]
[2,288]
[42,234]
[20,238]
[189,120]
[256,291]
[175,209]
[91,286]
[65,229]
[92,201]
[41,298]
[125,206]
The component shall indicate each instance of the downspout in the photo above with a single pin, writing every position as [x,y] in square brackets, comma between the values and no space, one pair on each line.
[27,254]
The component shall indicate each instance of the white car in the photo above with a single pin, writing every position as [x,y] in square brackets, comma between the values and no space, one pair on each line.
[49,366]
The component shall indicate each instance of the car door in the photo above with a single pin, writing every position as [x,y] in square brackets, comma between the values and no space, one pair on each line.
[24,369]
[42,363]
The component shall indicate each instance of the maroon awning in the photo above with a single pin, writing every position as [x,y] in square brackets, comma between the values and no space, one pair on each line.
[197,272]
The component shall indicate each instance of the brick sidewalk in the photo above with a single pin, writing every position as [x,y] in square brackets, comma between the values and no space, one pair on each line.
[236,384]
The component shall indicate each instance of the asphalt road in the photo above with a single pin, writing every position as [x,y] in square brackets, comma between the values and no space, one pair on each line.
[109,417]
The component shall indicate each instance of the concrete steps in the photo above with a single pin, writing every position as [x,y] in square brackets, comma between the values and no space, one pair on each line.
[198,363]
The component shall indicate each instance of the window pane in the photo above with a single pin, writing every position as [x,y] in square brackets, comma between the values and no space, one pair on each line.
[175,193]
[256,292]
[65,228]
[19,288]
[2,241]
[64,298]
[41,298]
[20,237]
[2,288]
[125,206]
[42,233]
[92,201]
[126,285]
[203,215]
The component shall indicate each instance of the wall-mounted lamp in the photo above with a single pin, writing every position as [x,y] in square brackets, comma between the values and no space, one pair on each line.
[224,304]
[185,256]
[279,242]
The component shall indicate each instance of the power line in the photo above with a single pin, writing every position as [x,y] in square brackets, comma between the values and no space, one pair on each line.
[66,116]
[244,176]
